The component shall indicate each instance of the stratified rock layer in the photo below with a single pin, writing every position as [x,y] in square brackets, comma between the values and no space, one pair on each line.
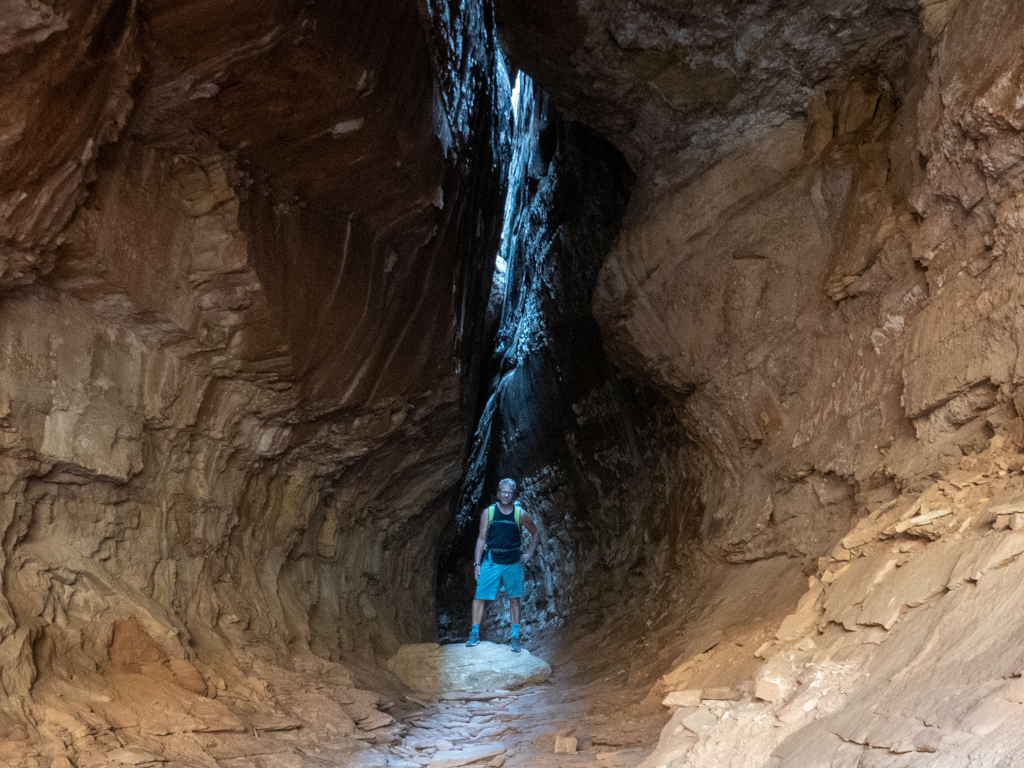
[819,271]
[238,284]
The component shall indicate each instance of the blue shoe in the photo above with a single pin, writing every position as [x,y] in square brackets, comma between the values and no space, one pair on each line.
[514,644]
[474,639]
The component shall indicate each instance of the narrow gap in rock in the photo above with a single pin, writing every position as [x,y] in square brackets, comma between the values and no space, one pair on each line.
[732,290]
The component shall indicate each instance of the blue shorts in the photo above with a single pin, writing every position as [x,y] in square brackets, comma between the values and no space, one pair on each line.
[492,574]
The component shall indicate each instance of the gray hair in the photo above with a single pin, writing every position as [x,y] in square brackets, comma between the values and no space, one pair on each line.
[509,482]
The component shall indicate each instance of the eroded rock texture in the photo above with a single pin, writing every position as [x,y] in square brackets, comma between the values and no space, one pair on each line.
[826,295]
[755,360]
[597,455]
[679,82]
[242,255]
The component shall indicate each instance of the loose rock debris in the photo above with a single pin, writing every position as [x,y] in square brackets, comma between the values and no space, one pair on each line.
[822,691]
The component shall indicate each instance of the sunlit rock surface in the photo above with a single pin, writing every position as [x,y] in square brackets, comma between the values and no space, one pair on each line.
[434,668]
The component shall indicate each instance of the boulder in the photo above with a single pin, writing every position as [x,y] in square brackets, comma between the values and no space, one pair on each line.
[437,668]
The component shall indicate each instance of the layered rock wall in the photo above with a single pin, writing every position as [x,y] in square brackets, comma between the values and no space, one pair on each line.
[827,298]
[235,304]
[804,302]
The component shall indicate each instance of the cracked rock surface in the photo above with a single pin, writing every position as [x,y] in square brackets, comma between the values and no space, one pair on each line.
[237,284]
[753,354]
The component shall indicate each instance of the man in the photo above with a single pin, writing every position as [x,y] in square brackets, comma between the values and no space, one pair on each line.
[501,536]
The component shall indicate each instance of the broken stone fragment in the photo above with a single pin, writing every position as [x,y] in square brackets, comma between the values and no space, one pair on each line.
[565,745]
[802,622]
[797,710]
[769,690]
[721,694]
[806,644]
[841,553]
[375,721]
[831,575]
[455,758]
[700,721]
[673,728]
[689,698]
[913,522]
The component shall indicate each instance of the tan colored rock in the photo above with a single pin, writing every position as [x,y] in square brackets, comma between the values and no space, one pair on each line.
[565,745]
[673,729]
[921,579]
[700,721]
[375,721]
[473,695]
[688,698]
[843,600]
[486,667]
[803,621]
[841,553]
[721,694]
[769,690]
[457,757]
[831,575]
[923,519]
[132,756]
[188,677]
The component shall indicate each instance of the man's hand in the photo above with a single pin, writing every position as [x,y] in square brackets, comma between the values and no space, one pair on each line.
[525,558]
[476,572]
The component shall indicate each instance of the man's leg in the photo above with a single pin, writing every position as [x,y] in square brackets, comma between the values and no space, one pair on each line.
[486,589]
[515,586]
[513,610]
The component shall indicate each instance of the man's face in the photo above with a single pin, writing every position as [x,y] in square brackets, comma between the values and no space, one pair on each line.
[505,494]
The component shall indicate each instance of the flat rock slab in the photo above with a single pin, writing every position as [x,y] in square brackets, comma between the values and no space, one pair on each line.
[466,756]
[434,668]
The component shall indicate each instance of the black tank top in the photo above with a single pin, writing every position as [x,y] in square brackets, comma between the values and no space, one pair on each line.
[504,541]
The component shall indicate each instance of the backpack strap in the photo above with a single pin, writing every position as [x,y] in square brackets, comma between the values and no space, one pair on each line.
[490,514]
[519,511]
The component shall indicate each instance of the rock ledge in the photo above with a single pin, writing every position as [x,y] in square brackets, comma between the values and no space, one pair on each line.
[434,668]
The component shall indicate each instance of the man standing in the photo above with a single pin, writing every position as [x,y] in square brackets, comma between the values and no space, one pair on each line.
[501,527]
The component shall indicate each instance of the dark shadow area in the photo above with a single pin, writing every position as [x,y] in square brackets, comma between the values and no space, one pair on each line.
[597,457]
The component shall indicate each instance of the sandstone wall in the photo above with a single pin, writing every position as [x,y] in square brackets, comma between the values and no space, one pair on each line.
[807,302]
[825,292]
[235,305]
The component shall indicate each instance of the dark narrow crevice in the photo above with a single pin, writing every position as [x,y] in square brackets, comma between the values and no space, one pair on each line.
[595,454]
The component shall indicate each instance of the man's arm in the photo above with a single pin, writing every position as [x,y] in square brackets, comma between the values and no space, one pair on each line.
[478,551]
[527,521]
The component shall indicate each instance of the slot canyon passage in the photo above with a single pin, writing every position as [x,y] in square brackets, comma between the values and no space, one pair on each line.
[734,289]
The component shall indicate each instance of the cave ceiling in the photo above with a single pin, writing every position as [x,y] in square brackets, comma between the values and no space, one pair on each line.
[691,78]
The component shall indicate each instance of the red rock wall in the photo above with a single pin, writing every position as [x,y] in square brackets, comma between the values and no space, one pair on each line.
[240,264]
